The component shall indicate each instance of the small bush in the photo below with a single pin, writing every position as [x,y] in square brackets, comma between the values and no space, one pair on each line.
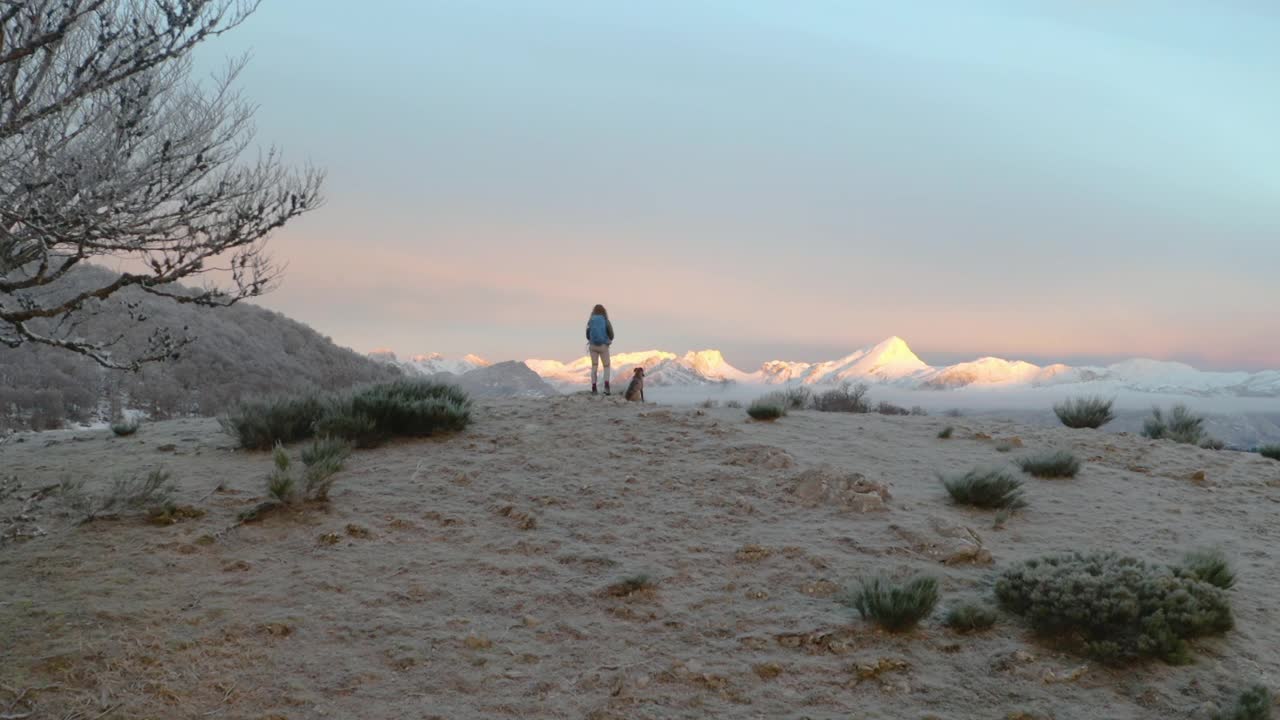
[1181,426]
[260,425]
[733,404]
[893,606]
[1115,608]
[131,494]
[1057,464]
[1085,412]
[845,398]
[767,408]
[709,403]
[1253,704]
[125,427]
[917,410]
[323,460]
[360,430]
[1006,445]
[1270,451]
[366,417]
[630,586]
[1212,443]
[411,408]
[797,398]
[1209,566]
[888,408]
[945,433]
[282,487]
[969,617]
[990,488]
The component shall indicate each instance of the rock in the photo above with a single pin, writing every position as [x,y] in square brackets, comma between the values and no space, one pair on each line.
[827,485]
[1050,677]
[762,456]
[866,501]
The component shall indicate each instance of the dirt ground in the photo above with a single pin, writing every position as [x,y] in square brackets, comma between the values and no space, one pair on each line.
[469,576]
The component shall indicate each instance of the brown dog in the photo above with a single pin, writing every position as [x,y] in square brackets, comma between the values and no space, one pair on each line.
[635,390]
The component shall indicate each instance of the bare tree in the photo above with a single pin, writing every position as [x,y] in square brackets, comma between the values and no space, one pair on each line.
[110,151]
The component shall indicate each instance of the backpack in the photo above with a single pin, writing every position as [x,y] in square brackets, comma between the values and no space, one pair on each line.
[598,330]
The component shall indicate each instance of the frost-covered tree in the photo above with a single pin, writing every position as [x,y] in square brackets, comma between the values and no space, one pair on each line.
[110,151]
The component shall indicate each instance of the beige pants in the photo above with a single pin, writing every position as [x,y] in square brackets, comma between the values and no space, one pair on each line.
[599,353]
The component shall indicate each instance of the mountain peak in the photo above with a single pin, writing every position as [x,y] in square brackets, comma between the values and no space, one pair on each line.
[890,359]
[893,346]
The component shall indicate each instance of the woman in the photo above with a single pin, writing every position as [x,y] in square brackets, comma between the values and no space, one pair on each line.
[599,337]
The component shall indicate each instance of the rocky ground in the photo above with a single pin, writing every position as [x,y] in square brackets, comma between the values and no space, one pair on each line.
[482,575]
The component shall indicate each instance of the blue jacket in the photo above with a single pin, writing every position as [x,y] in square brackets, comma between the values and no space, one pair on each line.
[599,330]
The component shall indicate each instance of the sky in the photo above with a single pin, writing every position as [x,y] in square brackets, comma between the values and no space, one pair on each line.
[1080,180]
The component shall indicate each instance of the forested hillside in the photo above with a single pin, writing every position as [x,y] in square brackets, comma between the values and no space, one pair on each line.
[241,351]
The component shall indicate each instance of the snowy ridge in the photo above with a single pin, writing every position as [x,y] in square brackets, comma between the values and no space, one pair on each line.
[431,363]
[889,362]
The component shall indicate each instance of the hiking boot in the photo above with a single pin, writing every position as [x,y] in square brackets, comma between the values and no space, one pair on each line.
[593,389]
[606,389]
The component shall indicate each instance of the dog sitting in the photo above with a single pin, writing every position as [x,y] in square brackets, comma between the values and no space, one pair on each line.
[635,391]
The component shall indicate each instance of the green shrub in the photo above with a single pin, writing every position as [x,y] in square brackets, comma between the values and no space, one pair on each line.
[1212,443]
[1181,426]
[733,404]
[969,617]
[259,425]
[945,433]
[894,606]
[323,460]
[125,427]
[1270,451]
[1253,704]
[280,483]
[366,416]
[325,450]
[919,411]
[767,408]
[1057,464]
[282,487]
[845,398]
[411,408]
[985,488]
[1085,412]
[1208,566]
[1114,608]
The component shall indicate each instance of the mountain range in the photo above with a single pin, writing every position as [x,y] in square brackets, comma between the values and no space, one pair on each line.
[890,362]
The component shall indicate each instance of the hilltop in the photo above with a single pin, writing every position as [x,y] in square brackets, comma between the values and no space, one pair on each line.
[471,575]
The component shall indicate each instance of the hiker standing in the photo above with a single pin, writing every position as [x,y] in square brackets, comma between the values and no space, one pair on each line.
[599,337]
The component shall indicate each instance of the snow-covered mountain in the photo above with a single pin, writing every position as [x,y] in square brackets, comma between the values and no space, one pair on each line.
[890,362]
[472,373]
[431,363]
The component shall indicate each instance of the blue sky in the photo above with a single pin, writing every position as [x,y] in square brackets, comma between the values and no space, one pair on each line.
[1069,180]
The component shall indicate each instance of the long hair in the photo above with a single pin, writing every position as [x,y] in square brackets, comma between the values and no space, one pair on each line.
[599,310]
